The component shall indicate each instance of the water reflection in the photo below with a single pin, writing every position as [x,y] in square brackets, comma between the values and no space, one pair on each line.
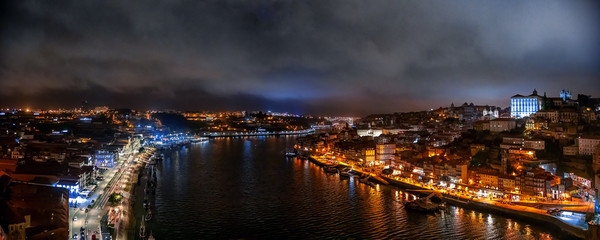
[232,188]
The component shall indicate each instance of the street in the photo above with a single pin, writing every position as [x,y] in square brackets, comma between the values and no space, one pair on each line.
[90,221]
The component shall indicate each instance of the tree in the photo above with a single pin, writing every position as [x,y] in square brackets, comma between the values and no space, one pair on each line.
[480,159]
[115,198]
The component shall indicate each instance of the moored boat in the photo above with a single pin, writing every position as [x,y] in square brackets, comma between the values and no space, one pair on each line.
[148,216]
[423,204]
[142,230]
[330,169]
[344,174]
[290,154]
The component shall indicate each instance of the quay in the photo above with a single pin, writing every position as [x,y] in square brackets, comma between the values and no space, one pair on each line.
[514,211]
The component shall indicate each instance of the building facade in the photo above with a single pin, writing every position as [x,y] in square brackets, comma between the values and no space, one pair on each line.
[523,106]
[587,145]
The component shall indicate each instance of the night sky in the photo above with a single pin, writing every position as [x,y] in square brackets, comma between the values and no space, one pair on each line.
[324,57]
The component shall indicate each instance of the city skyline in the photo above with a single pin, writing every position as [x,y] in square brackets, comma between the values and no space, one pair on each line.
[303,57]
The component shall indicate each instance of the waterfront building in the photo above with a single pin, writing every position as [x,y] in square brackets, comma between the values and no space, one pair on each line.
[536,183]
[488,180]
[459,171]
[384,153]
[368,154]
[523,106]
[507,183]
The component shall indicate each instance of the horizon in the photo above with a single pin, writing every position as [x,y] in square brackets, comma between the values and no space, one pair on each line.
[457,104]
[321,57]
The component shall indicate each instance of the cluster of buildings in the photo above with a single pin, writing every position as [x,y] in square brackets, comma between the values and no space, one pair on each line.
[50,161]
[247,121]
[484,150]
[60,156]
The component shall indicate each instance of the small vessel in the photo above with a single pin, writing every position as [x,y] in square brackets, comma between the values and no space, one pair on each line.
[290,154]
[366,181]
[142,230]
[199,139]
[331,169]
[344,174]
[150,237]
[423,204]
[148,216]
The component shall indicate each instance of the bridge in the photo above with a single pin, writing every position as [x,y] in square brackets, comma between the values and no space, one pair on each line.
[264,133]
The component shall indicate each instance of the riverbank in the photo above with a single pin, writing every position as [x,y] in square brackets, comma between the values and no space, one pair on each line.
[520,212]
[516,211]
[128,228]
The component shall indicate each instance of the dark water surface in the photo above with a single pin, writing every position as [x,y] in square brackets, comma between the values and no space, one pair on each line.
[244,188]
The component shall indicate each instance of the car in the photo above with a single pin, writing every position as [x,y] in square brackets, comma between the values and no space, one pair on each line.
[75,218]
[75,236]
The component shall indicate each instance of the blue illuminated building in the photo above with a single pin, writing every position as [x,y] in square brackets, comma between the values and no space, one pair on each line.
[105,159]
[523,106]
[71,184]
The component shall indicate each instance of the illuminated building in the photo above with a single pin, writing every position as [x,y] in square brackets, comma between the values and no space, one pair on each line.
[384,153]
[523,106]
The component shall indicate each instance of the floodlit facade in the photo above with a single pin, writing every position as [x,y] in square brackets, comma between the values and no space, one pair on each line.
[523,106]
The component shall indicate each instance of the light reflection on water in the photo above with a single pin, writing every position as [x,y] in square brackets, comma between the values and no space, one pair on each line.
[232,188]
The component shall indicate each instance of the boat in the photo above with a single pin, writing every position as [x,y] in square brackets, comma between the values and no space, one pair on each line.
[150,237]
[366,181]
[199,139]
[331,169]
[148,216]
[290,154]
[146,204]
[423,204]
[344,174]
[142,229]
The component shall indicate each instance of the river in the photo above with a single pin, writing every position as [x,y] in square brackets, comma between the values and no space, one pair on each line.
[244,188]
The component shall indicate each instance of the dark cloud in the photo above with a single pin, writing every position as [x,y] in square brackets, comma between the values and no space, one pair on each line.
[315,56]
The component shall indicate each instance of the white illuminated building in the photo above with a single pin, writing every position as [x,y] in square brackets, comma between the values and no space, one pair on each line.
[523,106]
